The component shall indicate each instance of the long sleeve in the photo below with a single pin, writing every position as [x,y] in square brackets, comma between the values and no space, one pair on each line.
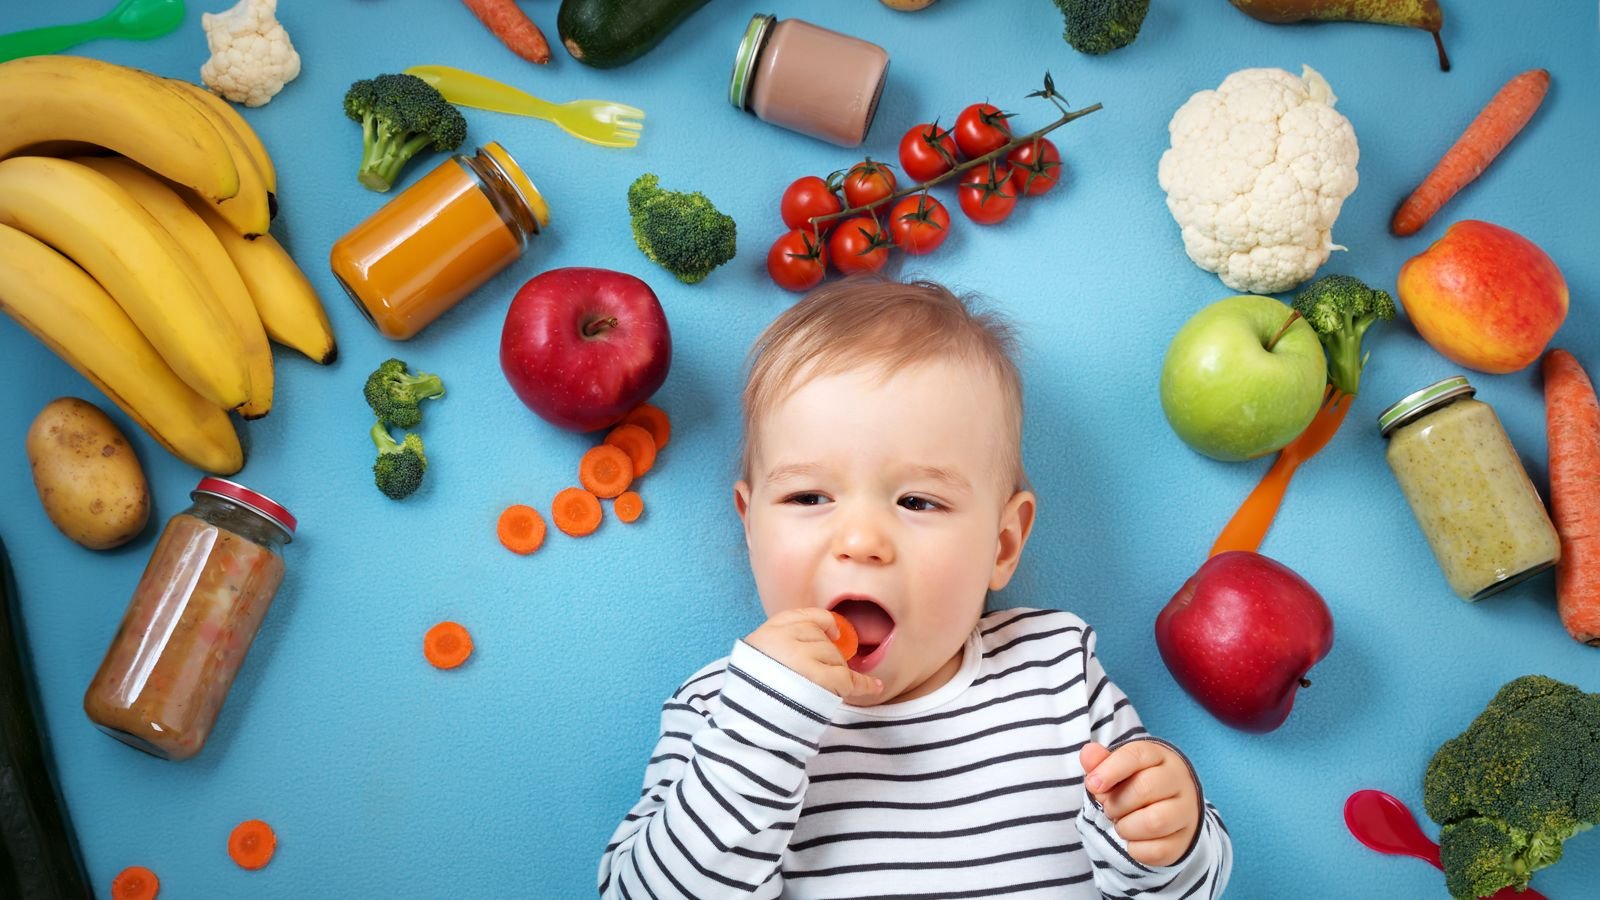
[1203,870]
[724,786]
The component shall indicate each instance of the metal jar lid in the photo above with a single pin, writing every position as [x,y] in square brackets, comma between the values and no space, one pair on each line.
[260,504]
[1414,405]
[744,62]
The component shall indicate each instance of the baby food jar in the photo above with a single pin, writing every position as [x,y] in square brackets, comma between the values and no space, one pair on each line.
[203,594]
[439,240]
[1459,471]
[809,79]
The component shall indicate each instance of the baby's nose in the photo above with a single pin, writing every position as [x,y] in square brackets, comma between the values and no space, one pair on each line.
[860,539]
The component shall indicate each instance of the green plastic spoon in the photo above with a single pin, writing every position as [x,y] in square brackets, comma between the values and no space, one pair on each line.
[134,20]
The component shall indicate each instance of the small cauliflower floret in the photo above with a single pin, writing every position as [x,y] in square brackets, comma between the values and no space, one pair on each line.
[251,56]
[1256,174]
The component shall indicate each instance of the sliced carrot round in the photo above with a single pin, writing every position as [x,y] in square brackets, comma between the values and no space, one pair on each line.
[521,529]
[135,883]
[637,443]
[576,511]
[628,506]
[447,645]
[605,471]
[652,419]
[252,844]
[847,641]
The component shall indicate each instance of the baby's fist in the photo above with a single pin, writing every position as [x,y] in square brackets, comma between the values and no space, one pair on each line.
[1148,793]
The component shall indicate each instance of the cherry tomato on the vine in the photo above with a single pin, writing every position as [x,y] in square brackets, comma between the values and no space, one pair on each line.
[807,197]
[796,262]
[1035,166]
[919,224]
[927,151]
[980,128]
[858,245]
[868,183]
[988,197]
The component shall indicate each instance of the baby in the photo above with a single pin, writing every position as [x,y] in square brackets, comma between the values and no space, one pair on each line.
[957,753]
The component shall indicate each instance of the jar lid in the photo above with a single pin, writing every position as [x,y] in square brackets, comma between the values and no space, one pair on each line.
[257,503]
[1415,404]
[519,179]
[744,62]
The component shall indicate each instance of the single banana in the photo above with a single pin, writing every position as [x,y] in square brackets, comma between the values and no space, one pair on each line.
[211,262]
[74,316]
[93,222]
[252,141]
[285,300]
[75,98]
[249,211]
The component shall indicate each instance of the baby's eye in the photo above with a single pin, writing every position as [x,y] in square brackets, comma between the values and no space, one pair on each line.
[919,504]
[805,498]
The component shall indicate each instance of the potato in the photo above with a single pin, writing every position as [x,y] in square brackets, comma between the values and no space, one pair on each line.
[88,478]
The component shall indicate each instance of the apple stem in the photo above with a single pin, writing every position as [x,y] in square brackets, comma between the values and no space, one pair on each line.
[595,327]
[1305,682]
[1293,314]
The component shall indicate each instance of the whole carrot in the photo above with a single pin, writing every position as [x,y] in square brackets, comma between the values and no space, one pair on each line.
[1572,428]
[1498,122]
[513,28]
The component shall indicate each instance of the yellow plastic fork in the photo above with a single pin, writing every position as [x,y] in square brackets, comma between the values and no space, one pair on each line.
[596,121]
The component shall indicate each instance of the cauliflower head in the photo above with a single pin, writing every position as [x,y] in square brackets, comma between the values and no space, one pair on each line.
[1256,174]
[251,56]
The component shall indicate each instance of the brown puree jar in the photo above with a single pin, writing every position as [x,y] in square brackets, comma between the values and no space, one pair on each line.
[809,79]
[198,605]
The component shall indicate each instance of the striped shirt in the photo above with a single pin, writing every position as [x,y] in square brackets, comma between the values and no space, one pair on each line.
[764,784]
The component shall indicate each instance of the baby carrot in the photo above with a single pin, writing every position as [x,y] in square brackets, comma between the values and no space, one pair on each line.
[135,883]
[605,471]
[1499,121]
[447,645]
[637,443]
[628,506]
[847,641]
[576,511]
[1572,431]
[521,529]
[252,844]
[513,27]
[652,419]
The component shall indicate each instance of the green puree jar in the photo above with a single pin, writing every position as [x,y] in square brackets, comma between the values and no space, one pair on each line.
[1466,485]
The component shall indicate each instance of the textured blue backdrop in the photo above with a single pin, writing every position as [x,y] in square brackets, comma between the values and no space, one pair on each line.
[385,777]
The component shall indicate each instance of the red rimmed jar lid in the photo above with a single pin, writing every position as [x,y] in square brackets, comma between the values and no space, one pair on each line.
[257,502]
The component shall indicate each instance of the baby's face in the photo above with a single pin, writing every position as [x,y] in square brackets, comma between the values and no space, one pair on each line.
[890,503]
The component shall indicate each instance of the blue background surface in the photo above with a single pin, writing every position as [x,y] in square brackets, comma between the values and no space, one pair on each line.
[385,777]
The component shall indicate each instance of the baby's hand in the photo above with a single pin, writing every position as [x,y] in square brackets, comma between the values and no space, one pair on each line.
[1147,791]
[802,639]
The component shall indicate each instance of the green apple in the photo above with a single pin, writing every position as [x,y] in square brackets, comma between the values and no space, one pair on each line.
[1226,394]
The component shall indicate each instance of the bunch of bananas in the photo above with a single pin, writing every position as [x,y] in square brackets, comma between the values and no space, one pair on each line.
[151,272]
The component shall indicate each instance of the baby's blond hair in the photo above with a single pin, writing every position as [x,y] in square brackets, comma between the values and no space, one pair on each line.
[872,323]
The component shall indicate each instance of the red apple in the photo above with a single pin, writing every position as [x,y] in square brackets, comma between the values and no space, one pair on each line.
[1241,634]
[582,347]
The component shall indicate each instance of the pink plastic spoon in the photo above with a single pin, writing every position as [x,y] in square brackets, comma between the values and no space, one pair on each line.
[1383,823]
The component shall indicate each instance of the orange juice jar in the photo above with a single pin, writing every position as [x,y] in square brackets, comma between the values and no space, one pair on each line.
[439,240]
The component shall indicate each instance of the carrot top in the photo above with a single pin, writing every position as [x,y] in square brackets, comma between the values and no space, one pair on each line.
[135,883]
[447,645]
[605,470]
[628,506]
[635,441]
[652,419]
[252,844]
[521,529]
[576,511]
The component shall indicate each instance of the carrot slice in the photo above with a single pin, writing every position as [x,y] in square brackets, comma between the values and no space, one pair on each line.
[447,645]
[135,883]
[628,506]
[848,641]
[576,511]
[638,443]
[252,844]
[605,471]
[521,529]
[653,419]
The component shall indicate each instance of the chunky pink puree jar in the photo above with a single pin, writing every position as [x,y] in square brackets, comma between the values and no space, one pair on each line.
[184,636]
[809,79]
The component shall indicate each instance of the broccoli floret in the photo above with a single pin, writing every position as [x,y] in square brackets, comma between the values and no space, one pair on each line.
[682,232]
[1101,26]
[400,115]
[1341,309]
[396,395]
[398,470]
[1511,789]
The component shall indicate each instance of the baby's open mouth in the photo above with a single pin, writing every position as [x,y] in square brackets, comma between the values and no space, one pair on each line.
[872,622]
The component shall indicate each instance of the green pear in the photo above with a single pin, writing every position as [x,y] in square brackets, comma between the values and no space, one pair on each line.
[1423,14]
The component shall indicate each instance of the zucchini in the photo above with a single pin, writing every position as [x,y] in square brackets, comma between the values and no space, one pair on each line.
[610,33]
[39,856]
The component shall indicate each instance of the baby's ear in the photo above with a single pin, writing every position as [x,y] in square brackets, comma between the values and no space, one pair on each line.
[1016,522]
[741,500]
